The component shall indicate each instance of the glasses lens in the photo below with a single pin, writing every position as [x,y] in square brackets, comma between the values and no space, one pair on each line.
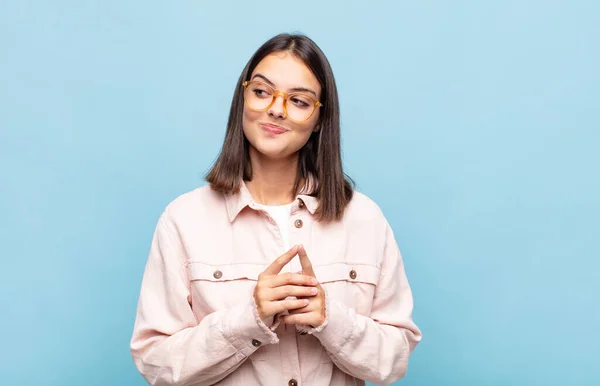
[300,107]
[258,95]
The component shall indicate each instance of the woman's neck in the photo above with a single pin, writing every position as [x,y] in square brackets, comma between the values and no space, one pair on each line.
[272,180]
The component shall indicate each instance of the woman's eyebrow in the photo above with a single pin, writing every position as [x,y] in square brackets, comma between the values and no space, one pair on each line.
[304,89]
[265,79]
[296,89]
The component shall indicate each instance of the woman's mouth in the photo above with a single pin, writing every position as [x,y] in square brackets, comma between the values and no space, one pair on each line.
[272,129]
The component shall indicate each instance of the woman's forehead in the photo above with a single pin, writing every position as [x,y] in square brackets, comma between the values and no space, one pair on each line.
[286,71]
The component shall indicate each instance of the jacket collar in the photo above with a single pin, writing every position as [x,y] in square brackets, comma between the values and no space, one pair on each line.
[235,203]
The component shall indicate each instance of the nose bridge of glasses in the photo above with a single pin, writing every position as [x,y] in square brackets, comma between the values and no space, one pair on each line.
[276,95]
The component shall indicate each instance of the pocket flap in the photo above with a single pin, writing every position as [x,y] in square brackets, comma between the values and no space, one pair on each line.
[362,273]
[225,272]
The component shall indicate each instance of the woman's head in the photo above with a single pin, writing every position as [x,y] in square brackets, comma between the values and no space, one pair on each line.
[286,105]
[281,108]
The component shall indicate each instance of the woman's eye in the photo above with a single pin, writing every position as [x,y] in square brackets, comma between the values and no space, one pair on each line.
[299,102]
[260,92]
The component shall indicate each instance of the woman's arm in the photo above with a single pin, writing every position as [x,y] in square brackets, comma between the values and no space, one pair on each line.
[169,345]
[376,348]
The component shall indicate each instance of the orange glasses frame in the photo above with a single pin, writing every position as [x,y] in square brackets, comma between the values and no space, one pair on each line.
[285,95]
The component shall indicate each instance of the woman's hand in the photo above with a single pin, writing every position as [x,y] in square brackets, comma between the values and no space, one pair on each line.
[313,313]
[273,288]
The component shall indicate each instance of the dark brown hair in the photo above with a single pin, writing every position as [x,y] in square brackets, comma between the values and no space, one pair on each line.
[320,159]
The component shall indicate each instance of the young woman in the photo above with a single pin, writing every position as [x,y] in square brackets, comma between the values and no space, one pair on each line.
[277,272]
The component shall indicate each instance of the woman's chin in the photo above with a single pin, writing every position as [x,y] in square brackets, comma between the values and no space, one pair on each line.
[274,152]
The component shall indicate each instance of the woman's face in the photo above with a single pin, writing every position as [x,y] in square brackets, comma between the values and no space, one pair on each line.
[271,132]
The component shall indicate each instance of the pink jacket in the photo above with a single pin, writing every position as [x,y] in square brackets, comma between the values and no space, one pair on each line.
[197,322]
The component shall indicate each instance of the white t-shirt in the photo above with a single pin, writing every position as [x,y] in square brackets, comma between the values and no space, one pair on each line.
[281,215]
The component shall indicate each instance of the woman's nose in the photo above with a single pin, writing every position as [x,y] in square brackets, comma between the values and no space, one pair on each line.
[277,108]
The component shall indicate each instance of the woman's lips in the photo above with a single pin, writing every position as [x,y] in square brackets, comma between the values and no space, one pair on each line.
[273,129]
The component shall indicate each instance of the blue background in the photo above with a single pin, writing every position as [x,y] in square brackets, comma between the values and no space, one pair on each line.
[474,125]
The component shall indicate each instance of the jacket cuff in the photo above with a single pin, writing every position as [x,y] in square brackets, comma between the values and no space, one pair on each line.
[338,327]
[246,331]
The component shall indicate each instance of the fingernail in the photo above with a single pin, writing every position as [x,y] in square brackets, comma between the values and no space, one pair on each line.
[313,281]
[313,291]
[306,301]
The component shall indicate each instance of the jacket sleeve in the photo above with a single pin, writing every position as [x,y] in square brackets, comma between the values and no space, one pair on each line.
[376,348]
[170,346]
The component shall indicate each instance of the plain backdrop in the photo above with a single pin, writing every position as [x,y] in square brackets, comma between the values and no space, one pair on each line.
[473,124]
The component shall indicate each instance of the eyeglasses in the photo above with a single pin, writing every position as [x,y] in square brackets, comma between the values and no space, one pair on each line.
[299,107]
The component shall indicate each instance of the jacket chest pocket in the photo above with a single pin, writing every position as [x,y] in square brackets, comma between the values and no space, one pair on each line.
[352,284]
[217,287]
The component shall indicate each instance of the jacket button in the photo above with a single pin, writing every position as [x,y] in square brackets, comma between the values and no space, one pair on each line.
[217,274]
[293,382]
[298,223]
[256,343]
[300,204]
[353,274]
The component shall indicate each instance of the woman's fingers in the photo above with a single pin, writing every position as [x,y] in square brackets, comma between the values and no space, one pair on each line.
[290,278]
[286,305]
[280,262]
[310,307]
[275,292]
[307,268]
[285,291]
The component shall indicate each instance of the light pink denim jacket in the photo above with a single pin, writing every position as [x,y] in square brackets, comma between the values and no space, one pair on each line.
[197,322]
